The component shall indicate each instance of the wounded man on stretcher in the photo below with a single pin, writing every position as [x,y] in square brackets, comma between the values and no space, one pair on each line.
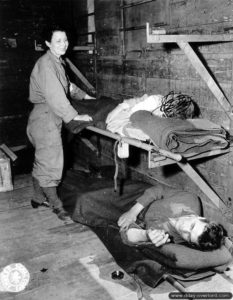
[162,225]
[114,115]
[162,216]
[173,105]
[170,122]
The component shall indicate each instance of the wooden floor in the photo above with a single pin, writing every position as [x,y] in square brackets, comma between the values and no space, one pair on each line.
[67,261]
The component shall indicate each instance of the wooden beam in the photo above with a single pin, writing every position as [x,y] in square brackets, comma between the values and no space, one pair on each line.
[8,151]
[83,48]
[188,38]
[173,38]
[155,160]
[79,74]
[205,75]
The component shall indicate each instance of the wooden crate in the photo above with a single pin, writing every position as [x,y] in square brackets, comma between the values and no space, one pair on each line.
[5,173]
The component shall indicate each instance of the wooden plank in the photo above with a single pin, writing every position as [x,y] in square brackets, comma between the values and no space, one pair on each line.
[83,48]
[213,86]
[190,38]
[80,75]
[9,152]
[159,161]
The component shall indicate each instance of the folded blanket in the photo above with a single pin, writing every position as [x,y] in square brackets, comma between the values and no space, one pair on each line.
[187,137]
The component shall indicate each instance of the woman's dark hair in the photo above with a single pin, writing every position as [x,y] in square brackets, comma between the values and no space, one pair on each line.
[212,237]
[180,106]
[49,31]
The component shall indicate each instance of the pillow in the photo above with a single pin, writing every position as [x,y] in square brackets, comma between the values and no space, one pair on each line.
[180,256]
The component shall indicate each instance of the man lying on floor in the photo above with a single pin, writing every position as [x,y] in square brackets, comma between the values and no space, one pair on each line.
[148,222]
[180,237]
[184,226]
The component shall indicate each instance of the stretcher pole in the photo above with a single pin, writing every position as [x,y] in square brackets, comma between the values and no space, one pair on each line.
[136,143]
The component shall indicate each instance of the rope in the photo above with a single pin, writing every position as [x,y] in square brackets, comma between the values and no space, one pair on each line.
[116,164]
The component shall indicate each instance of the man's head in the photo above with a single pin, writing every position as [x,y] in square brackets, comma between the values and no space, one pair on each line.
[199,231]
[180,106]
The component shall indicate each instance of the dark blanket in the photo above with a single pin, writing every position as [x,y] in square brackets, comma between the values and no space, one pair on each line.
[98,109]
[93,202]
[187,137]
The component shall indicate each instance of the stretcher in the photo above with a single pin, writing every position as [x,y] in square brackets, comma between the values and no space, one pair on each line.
[158,157]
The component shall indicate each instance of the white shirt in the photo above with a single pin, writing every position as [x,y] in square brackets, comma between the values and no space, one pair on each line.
[118,120]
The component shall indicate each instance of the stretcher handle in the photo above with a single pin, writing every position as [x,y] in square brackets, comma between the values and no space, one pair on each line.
[174,156]
[175,283]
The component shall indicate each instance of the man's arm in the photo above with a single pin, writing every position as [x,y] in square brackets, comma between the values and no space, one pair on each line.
[152,194]
[157,236]
[130,216]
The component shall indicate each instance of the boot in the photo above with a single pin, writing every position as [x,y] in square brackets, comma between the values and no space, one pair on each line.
[55,202]
[38,195]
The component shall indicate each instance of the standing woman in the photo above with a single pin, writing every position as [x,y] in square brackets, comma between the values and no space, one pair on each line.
[49,91]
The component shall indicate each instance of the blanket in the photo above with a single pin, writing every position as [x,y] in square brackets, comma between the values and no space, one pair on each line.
[187,137]
[98,109]
[93,202]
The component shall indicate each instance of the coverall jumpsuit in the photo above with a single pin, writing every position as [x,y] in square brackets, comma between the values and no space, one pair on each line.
[49,92]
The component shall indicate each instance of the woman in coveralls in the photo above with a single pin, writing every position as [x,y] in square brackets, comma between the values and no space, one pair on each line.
[50,90]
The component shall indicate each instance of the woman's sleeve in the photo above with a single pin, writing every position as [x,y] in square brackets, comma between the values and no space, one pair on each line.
[55,95]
